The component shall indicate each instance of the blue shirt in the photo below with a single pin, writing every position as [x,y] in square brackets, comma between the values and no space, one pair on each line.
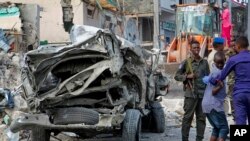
[240,64]
[211,101]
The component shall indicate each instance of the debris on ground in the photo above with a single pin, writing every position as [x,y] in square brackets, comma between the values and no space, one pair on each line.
[5,42]
[6,99]
[12,105]
[3,136]
[10,72]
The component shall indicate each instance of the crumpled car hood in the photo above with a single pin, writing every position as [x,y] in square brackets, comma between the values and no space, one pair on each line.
[92,43]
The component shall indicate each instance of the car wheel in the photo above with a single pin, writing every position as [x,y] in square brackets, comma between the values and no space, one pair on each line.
[158,117]
[40,134]
[131,130]
[75,115]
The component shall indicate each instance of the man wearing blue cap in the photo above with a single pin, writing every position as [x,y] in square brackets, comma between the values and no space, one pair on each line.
[240,64]
[218,45]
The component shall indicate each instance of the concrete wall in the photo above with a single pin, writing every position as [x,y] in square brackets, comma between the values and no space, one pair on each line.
[93,19]
[122,26]
[165,4]
[131,31]
[103,19]
[30,24]
[51,24]
[138,6]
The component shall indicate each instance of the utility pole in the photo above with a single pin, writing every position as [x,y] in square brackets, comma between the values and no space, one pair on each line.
[156,25]
[248,21]
[230,9]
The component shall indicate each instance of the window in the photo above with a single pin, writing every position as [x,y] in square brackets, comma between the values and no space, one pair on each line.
[195,20]
[147,29]
[119,23]
[90,12]
[108,18]
[199,1]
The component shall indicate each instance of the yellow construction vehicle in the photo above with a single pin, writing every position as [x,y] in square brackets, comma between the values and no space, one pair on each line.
[193,21]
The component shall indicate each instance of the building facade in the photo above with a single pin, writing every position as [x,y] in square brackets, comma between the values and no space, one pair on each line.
[167,21]
[134,20]
[138,21]
[51,22]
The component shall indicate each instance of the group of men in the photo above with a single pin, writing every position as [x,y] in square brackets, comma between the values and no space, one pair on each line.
[205,92]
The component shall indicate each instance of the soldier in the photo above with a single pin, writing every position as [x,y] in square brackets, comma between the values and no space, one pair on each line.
[191,72]
[230,84]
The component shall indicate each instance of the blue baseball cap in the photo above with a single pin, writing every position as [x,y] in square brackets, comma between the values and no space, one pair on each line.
[219,40]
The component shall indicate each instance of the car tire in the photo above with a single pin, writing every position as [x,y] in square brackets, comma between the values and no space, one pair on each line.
[75,115]
[131,130]
[158,117]
[40,134]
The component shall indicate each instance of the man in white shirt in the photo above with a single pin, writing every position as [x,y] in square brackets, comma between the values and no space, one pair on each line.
[218,45]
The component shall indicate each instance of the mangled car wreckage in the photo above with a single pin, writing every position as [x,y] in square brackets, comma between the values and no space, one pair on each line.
[96,85]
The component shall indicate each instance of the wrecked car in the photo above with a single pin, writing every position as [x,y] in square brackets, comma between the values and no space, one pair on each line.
[99,84]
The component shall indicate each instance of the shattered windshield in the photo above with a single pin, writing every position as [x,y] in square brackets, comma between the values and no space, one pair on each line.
[194,19]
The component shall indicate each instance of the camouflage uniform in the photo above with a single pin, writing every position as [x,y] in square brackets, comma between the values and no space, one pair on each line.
[193,96]
[230,80]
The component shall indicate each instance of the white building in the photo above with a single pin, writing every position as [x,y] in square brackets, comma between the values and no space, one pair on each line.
[51,22]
